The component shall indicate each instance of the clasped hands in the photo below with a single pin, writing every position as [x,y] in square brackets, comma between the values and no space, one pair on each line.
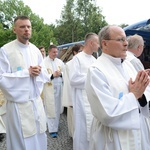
[138,86]
[34,70]
[57,74]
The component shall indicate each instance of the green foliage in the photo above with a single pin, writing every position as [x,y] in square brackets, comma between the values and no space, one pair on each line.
[123,25]
[78,18]
[5,35]
[9,9]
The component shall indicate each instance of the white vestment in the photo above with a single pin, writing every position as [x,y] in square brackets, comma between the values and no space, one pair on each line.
[52,93]
[25,117]
[134,61]
[138,66]
[117,124]
[81,108]
[67,97]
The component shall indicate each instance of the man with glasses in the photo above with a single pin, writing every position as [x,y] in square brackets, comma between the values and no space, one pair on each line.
[118,97]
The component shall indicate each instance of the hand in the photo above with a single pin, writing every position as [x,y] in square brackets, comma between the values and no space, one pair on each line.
[147,71]
[57,73]
[34,70]
[139,85]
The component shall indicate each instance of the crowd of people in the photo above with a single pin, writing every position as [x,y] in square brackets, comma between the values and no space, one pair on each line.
[107,98]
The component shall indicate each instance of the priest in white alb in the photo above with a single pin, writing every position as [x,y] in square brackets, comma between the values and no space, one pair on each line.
[81,108]
[22,75]
[52,92]
[119,97]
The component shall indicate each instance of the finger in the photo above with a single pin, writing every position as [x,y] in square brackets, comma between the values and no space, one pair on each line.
[35,71]
[40,67]
[147,82]
[144,77]
[147,71]
[138,76]
[130,81]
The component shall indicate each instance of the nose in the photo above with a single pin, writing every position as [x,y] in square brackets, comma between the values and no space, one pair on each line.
[126,43]
[27,28]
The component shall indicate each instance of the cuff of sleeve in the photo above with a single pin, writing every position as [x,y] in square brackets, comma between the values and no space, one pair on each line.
[52,77]
[142,101]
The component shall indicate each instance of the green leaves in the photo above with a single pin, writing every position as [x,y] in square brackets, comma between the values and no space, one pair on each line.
[41,33]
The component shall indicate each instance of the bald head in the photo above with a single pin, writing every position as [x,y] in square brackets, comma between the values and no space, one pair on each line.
[107,32]
[113,41]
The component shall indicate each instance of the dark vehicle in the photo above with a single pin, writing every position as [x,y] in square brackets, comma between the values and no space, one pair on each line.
[142,28]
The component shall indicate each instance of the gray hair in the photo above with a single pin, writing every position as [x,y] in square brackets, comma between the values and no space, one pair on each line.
[104,34]
[134,41]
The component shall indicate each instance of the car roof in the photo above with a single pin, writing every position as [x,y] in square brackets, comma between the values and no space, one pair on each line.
[141,28]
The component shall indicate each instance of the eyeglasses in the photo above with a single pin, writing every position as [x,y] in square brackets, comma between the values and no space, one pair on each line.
[122,40]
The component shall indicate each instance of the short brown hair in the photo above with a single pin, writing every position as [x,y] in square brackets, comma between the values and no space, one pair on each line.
[52,46]
[89,36]
[21,18]
[41,47]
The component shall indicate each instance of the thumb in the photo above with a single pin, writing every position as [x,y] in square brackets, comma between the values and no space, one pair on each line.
[130,81]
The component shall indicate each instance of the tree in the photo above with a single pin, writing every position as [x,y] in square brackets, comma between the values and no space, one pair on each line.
[78,18]
[68,24]
[5,35]
[9,9]
[123,25]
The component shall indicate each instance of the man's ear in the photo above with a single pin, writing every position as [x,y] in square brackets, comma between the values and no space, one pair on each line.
[138,48]
[104,43]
